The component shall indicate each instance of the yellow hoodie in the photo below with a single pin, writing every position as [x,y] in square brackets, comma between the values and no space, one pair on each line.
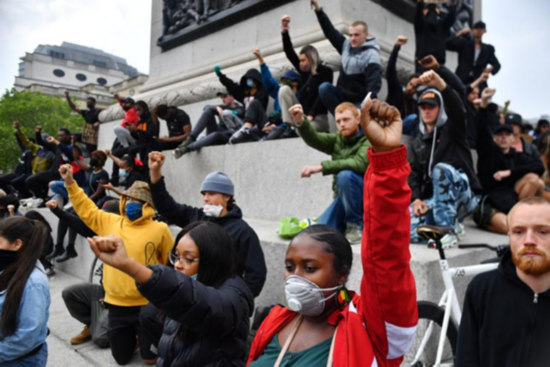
[145,240]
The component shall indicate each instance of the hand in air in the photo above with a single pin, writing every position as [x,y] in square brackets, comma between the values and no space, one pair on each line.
[382,125]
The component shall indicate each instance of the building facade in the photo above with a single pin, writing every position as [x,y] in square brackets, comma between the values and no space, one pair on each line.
[82,71]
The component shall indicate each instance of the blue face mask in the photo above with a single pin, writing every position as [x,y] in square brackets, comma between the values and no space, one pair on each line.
[194,277]
[133,211]
[250,82]
[122,173]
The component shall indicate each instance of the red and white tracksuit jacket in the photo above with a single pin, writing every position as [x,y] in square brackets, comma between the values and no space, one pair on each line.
[377,327]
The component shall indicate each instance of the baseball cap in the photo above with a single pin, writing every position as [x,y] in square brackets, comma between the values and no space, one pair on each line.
[291,75]
[503,127]
[430,97]
[514,119]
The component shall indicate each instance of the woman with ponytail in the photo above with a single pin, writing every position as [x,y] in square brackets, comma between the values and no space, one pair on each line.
[24,294]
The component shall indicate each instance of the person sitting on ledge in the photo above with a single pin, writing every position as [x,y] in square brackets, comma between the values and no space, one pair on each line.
[178,123]
[443,179]
[312,74]
[252,94]
[349,162]
[279,127]
[506,175]
[230,114]
[361,70]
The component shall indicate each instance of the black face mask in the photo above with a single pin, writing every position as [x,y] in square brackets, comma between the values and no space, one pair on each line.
[94,162]
[126,108]
[7,258]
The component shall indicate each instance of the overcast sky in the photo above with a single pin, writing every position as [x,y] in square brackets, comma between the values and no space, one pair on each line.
[520,34]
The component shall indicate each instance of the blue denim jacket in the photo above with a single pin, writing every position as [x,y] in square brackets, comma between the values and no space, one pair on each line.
[32,318]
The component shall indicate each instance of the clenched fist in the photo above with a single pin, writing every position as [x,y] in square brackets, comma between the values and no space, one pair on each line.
[382,125]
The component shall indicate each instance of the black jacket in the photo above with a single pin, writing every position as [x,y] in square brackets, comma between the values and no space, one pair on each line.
[468,68]
[501,194]
[504,324]
[361,70]
[431,32]
[451,148]
[204,326]
[251,257]
[147,131]
[239,90]
[309,84]
[396,95]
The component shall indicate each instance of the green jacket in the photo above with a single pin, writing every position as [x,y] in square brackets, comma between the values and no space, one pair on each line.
[347,153]
[41,158]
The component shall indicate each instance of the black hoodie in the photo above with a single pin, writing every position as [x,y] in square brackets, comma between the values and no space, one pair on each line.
[504,324]
[431,31]
[239,90]
[251,257]
[501,194]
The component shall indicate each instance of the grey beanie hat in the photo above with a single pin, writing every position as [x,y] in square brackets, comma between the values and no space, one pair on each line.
[218,182]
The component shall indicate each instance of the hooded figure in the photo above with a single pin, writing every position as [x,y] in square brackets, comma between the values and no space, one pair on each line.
[447,143]
[431,28]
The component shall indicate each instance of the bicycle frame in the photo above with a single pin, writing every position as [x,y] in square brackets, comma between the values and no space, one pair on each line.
[449,302]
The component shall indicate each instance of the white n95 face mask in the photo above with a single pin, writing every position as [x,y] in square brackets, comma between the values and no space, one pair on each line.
[305,297]
[212,210]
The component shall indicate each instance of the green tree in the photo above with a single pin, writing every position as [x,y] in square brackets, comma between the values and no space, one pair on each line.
[31,109]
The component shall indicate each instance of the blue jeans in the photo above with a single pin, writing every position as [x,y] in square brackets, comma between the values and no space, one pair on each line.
[37,360]
[59,188]
[331,96]
[409,125]
[451,195]
[348,205]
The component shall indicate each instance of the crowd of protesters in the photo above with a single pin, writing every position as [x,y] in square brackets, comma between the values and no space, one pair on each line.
[396,166]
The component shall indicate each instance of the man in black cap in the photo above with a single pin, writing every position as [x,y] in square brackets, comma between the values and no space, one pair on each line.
[474,56]
[443,180]
[520,144]
[506,175]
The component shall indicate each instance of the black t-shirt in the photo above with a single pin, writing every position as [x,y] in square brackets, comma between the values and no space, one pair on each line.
[91,116]
[95,177]
[177,122]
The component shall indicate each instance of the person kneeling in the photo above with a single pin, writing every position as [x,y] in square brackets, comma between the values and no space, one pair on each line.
[207,306]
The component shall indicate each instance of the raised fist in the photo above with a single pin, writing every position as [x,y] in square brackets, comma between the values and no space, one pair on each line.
[432,79]
[52,204]
[156,160]
[429,62]
[110,250]
[16,125]
[66,172]
[382,125]
[285,22]
[297,113]
[401,40]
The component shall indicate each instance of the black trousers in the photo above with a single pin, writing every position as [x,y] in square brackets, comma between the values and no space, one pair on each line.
[255,114]
[78,299]
[152,322]
[69,221]
[215,138]
[10,181]
[164,145]
[206,121]
[38,183]
[124,328]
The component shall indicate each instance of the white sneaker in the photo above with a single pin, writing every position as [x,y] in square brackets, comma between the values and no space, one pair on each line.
[353,233]
[449,240]
[35,203]
[68,206]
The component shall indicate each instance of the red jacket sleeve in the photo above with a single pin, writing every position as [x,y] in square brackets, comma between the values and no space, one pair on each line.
[388,291]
